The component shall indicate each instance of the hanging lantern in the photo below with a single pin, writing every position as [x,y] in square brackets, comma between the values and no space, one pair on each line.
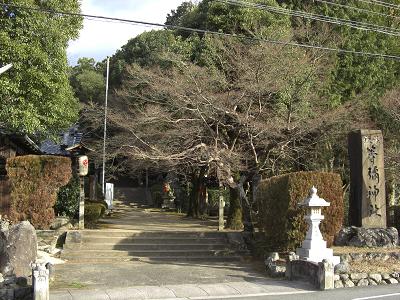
[83,165]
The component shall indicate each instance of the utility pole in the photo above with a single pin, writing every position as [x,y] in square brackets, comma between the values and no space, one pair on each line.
[5,68]
[103,186]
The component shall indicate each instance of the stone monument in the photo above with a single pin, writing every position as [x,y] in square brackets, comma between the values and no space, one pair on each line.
[367,179]
[314,247]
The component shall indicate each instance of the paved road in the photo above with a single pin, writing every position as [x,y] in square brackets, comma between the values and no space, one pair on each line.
[386,292]
[233,290]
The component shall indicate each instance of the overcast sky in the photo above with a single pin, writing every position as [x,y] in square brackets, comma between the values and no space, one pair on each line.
[99,39]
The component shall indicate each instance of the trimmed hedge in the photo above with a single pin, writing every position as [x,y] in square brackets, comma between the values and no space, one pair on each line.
[94,210]
[280,217]
[35,181]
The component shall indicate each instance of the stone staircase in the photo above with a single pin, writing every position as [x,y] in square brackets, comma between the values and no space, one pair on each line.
[109,246]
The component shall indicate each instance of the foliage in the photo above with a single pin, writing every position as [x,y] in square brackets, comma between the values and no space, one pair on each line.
[35,181]
[218,16]
[280,217]
[35,95]
[394,216]
[353,75]
[103,203]
[156,191]
[87,80]
[93,211]
[68,196]
[213,197]
[156,47]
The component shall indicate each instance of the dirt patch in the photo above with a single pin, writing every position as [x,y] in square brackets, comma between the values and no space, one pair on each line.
[389,266]
[347,250]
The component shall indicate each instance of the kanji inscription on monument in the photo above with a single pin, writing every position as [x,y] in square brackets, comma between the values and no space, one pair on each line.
[367,176]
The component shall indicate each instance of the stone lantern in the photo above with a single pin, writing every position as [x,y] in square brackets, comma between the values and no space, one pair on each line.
[314,247]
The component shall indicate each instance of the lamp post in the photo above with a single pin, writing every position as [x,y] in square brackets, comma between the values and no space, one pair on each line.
[103,181]
[5,68]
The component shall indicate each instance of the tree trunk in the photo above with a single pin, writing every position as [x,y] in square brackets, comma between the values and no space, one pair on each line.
[195,194]
[235,210]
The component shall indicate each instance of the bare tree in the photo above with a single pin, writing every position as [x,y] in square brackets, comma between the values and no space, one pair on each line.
[242,111]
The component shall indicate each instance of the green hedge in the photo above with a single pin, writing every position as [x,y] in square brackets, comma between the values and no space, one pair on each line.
[67,203]
[94,210]
[280,217]
[35,181]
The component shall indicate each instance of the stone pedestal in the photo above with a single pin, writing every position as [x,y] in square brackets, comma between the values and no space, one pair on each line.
[40,280]
[314,247]
[367,179]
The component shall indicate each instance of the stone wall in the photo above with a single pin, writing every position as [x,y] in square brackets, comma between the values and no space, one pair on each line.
[345,278]
[363,279]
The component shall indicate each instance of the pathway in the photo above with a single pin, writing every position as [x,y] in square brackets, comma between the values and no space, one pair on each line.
[148,279]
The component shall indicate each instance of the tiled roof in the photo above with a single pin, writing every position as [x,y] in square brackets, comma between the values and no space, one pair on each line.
[22,140]
[69,139]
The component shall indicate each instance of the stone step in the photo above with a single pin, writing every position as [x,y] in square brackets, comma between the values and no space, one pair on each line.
[153,234]
[150,240]
[148,245]
[166,259]
[67,254]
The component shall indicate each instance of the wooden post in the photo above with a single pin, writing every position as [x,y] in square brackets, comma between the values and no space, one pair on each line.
[221,205]
[82,203]
[147,187]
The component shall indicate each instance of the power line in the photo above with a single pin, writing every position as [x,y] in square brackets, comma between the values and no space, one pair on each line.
[330,2]
[317,17]
[203,31]
[380,3]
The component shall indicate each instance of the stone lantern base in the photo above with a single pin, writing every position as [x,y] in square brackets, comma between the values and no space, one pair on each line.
[168,202]
[318,254]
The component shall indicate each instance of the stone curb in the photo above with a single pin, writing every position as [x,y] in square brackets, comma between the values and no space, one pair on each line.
[176,292]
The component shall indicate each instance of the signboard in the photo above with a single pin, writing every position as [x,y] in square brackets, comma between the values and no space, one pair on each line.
[109,197]
[83,165]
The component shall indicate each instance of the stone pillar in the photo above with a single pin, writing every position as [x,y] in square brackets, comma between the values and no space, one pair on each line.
[326,275]
[40,282]
[367,179]
[221,205]
[82,203]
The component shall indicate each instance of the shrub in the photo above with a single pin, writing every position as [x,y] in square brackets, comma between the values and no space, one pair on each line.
[280,217]
[394,216]
[35,181]
[93,211]
[67,203]
[213,197]
[156,191]
[103,203]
